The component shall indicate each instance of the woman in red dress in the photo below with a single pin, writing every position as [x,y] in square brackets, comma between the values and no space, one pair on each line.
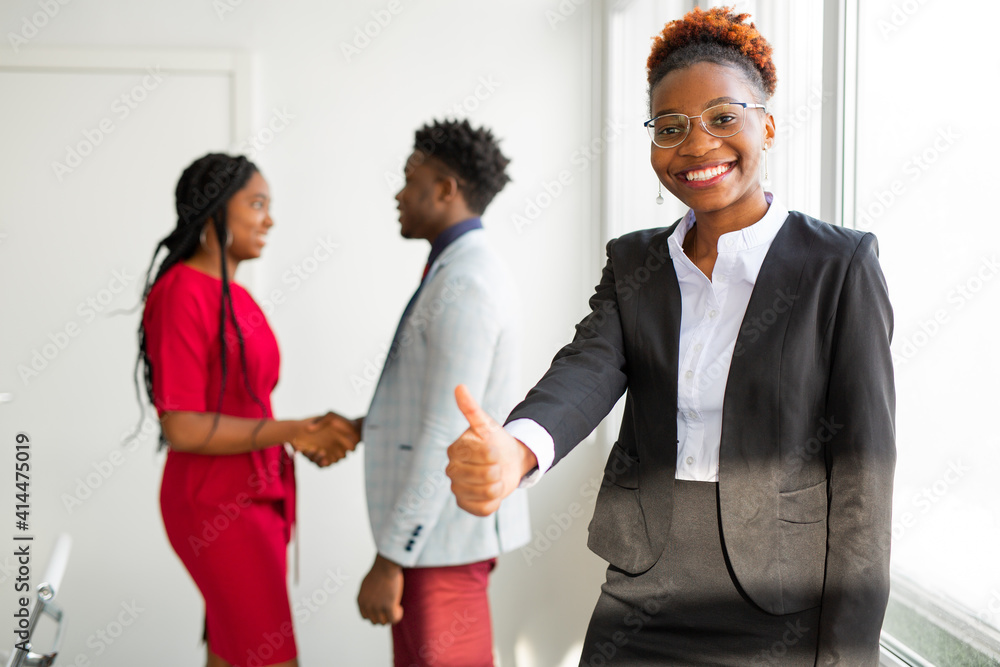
[210,363]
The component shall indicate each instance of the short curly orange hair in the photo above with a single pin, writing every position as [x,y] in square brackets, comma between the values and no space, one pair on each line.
[718,35]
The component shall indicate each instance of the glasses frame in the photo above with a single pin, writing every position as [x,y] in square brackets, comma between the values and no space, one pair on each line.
[701,119]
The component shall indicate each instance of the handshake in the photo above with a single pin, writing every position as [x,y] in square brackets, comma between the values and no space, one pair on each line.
[327,439]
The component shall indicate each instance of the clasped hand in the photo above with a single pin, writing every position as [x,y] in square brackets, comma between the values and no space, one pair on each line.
[327,439]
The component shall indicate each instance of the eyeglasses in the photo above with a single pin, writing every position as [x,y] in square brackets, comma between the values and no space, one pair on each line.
[722,120]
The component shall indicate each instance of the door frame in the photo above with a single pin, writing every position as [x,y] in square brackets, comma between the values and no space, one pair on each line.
[237,66]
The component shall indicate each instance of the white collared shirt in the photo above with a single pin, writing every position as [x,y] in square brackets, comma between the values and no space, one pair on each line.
[711,314]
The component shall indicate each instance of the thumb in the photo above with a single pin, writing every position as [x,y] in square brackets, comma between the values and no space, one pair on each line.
[481,423]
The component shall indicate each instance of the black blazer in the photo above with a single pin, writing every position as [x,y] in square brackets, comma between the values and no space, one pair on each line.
[808,437]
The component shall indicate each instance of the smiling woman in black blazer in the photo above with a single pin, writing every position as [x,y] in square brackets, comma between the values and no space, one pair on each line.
[745,509]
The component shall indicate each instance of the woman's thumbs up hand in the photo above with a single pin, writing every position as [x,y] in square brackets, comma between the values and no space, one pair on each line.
[486,463]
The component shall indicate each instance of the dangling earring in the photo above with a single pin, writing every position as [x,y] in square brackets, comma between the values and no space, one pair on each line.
[202,238]
[766,175]
[659,194]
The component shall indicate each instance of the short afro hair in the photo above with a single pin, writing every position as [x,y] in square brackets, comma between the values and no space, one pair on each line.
[472,154]
[719,36]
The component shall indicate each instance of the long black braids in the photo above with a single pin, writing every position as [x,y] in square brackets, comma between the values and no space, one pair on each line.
[202,193]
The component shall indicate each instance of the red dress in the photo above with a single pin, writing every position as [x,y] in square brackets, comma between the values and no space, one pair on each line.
[229,518]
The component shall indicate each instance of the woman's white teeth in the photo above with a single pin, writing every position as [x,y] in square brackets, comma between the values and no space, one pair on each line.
[706,174]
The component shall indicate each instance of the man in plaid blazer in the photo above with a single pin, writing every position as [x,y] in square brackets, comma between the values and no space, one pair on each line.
[430,575]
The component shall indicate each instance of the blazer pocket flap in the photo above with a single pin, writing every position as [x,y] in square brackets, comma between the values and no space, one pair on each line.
[806,505]
[622,468]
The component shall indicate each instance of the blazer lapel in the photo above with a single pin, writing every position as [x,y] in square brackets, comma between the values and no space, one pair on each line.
[750,431]
[660,301]
[751,397]
[652,325]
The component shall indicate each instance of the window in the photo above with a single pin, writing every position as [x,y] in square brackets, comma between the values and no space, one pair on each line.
[923,140]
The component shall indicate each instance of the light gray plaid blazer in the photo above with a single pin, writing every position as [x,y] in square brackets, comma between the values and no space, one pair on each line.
[463,327]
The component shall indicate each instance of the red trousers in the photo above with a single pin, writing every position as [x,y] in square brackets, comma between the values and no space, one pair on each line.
[446,617]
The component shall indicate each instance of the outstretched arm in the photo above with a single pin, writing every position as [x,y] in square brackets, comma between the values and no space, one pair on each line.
[585,380]
[214,433]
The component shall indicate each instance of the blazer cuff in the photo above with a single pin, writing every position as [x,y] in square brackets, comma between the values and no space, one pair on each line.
[538,440]
[402,550]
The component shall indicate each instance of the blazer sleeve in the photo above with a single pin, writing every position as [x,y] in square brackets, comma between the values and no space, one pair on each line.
[860,462]
[462,329]
[586,377]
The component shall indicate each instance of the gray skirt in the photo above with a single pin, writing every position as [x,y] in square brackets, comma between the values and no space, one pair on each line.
[687,609]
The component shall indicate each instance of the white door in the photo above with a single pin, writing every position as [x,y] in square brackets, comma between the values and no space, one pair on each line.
[92,149]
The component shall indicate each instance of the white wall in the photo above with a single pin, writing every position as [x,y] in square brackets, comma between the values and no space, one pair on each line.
[333,173]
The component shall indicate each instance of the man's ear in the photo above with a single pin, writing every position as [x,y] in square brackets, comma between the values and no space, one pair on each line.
[447,189]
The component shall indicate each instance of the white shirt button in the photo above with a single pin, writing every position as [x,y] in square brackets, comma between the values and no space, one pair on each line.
[712,314]
[692,414]
[689,374]
[697,348]
[730,242]
[689,460]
